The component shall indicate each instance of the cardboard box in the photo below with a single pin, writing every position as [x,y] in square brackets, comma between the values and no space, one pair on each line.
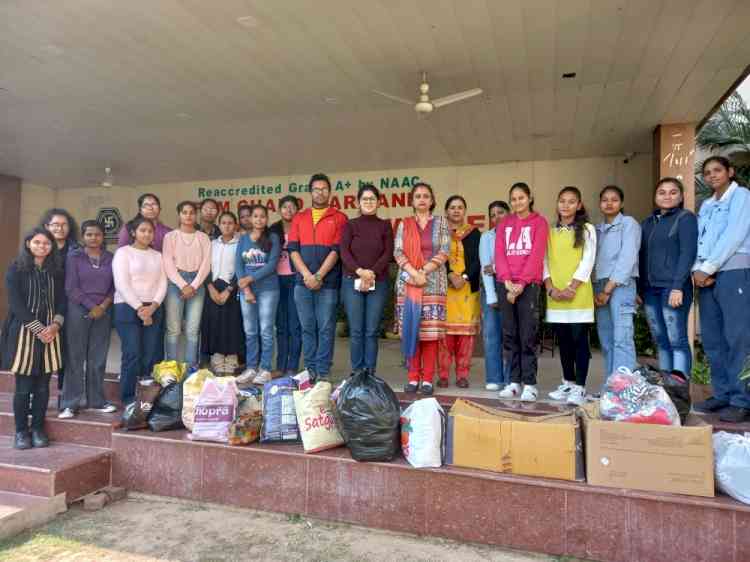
[657,458]
[548,446]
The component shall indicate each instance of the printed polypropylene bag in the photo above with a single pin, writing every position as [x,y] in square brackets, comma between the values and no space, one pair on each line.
[317,424]
[368,413]
[215,410]
[279,416]
[629,397]
[732,460]
[191,390]
[135,415]
[422,433]
[167,411]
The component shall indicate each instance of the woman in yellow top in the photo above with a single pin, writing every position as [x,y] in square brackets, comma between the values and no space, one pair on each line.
[571,252]
[462,316]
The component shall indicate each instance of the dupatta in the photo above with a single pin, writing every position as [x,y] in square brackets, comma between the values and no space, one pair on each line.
[412,295]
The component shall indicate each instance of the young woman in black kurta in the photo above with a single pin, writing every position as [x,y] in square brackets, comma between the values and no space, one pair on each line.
[31,344]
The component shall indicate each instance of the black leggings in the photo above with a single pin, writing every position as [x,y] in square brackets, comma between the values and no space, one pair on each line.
[574,351]
[35,387]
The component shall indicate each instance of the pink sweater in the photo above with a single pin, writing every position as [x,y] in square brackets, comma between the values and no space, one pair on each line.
[520,245]
[139,276]
[186,252]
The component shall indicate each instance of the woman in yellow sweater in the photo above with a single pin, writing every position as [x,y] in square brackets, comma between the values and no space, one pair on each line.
[571,252]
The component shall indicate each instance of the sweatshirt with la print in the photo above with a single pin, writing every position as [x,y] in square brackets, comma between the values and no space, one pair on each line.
[520,245]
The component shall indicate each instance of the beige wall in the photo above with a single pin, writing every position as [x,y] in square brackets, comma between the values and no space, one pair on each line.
[478,184]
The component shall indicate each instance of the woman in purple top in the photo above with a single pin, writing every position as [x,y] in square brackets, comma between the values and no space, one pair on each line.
[89,287]
[149,207]
[366,251]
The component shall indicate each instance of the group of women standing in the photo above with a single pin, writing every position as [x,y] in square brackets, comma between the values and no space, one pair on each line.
[229,285]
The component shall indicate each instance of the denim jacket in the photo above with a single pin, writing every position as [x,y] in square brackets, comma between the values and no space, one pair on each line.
[487,257]
[724,232]
[617,246]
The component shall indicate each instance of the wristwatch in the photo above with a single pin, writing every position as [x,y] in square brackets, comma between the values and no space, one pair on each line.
[464,277]
[317,277]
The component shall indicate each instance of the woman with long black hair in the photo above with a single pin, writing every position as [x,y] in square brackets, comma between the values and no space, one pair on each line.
[30,343]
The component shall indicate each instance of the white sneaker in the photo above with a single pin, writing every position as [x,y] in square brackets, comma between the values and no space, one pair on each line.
[577,396]
[529,393]
[66,414]
[247,376]
[262,377]
[492,386]
[218,363]
[562,392]
[513,390]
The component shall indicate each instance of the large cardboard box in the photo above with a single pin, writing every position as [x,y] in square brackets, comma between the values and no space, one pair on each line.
[657,458]
[548,446]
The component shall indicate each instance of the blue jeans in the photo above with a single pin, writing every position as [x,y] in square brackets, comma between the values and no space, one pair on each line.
[317,314]
[258,320]
[288,330]
[492,336]
[614,324]
[669,328]
[725,331]
[140,345]
[190,311]
[364,312]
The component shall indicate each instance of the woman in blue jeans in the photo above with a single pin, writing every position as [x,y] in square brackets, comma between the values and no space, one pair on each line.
[722,274]
[288,329]
[140,288]
[618,240]
[492,318]
[257,257]
[669,243]
[186,253]
[366,251]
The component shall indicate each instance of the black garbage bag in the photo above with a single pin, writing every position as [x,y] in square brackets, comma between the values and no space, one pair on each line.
[135,415]
[166,413]
[368,415]
[677,387]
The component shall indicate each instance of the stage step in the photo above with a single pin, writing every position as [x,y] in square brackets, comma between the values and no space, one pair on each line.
[61,468]
[19,512]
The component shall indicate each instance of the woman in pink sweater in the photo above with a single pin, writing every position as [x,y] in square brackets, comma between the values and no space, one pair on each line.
[187,262]
[140,287]
[520,245]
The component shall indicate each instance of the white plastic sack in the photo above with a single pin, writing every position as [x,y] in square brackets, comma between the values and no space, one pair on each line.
[732,458]
[422,431]
[215,410]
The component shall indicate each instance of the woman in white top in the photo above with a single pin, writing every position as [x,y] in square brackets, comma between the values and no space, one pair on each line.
[222,335]
[140,288]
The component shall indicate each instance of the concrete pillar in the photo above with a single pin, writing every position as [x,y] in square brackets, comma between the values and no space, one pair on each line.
[674,155]
[10,217]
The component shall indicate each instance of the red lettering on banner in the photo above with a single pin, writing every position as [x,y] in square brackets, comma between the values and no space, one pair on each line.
[349,202]
[335,203]
[383,201]
[398,199]
[476,220]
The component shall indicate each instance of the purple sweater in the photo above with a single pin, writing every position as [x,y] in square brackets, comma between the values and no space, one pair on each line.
[85,284]
[367,242]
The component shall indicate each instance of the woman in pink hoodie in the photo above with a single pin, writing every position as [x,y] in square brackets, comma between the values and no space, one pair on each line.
[520,244]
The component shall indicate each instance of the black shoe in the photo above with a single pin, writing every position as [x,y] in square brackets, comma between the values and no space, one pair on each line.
[733,414]
[426,389]
[22,440]
[710,405]
[39,439]
[411,388]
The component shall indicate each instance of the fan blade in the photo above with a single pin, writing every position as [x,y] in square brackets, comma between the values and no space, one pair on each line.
[456,97]
[394,98]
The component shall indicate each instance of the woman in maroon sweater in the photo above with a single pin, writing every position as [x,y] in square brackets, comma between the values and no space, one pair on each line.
[366,251]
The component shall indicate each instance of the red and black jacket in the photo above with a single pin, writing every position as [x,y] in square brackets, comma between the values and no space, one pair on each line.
[314,243]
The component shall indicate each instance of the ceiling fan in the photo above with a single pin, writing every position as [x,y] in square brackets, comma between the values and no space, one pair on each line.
[425,105]
[108,180]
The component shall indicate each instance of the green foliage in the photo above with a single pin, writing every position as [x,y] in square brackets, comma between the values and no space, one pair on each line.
[701,371]
[726,132]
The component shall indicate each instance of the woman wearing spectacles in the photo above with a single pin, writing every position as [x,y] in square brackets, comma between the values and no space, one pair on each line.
[149,207]
[366,251]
